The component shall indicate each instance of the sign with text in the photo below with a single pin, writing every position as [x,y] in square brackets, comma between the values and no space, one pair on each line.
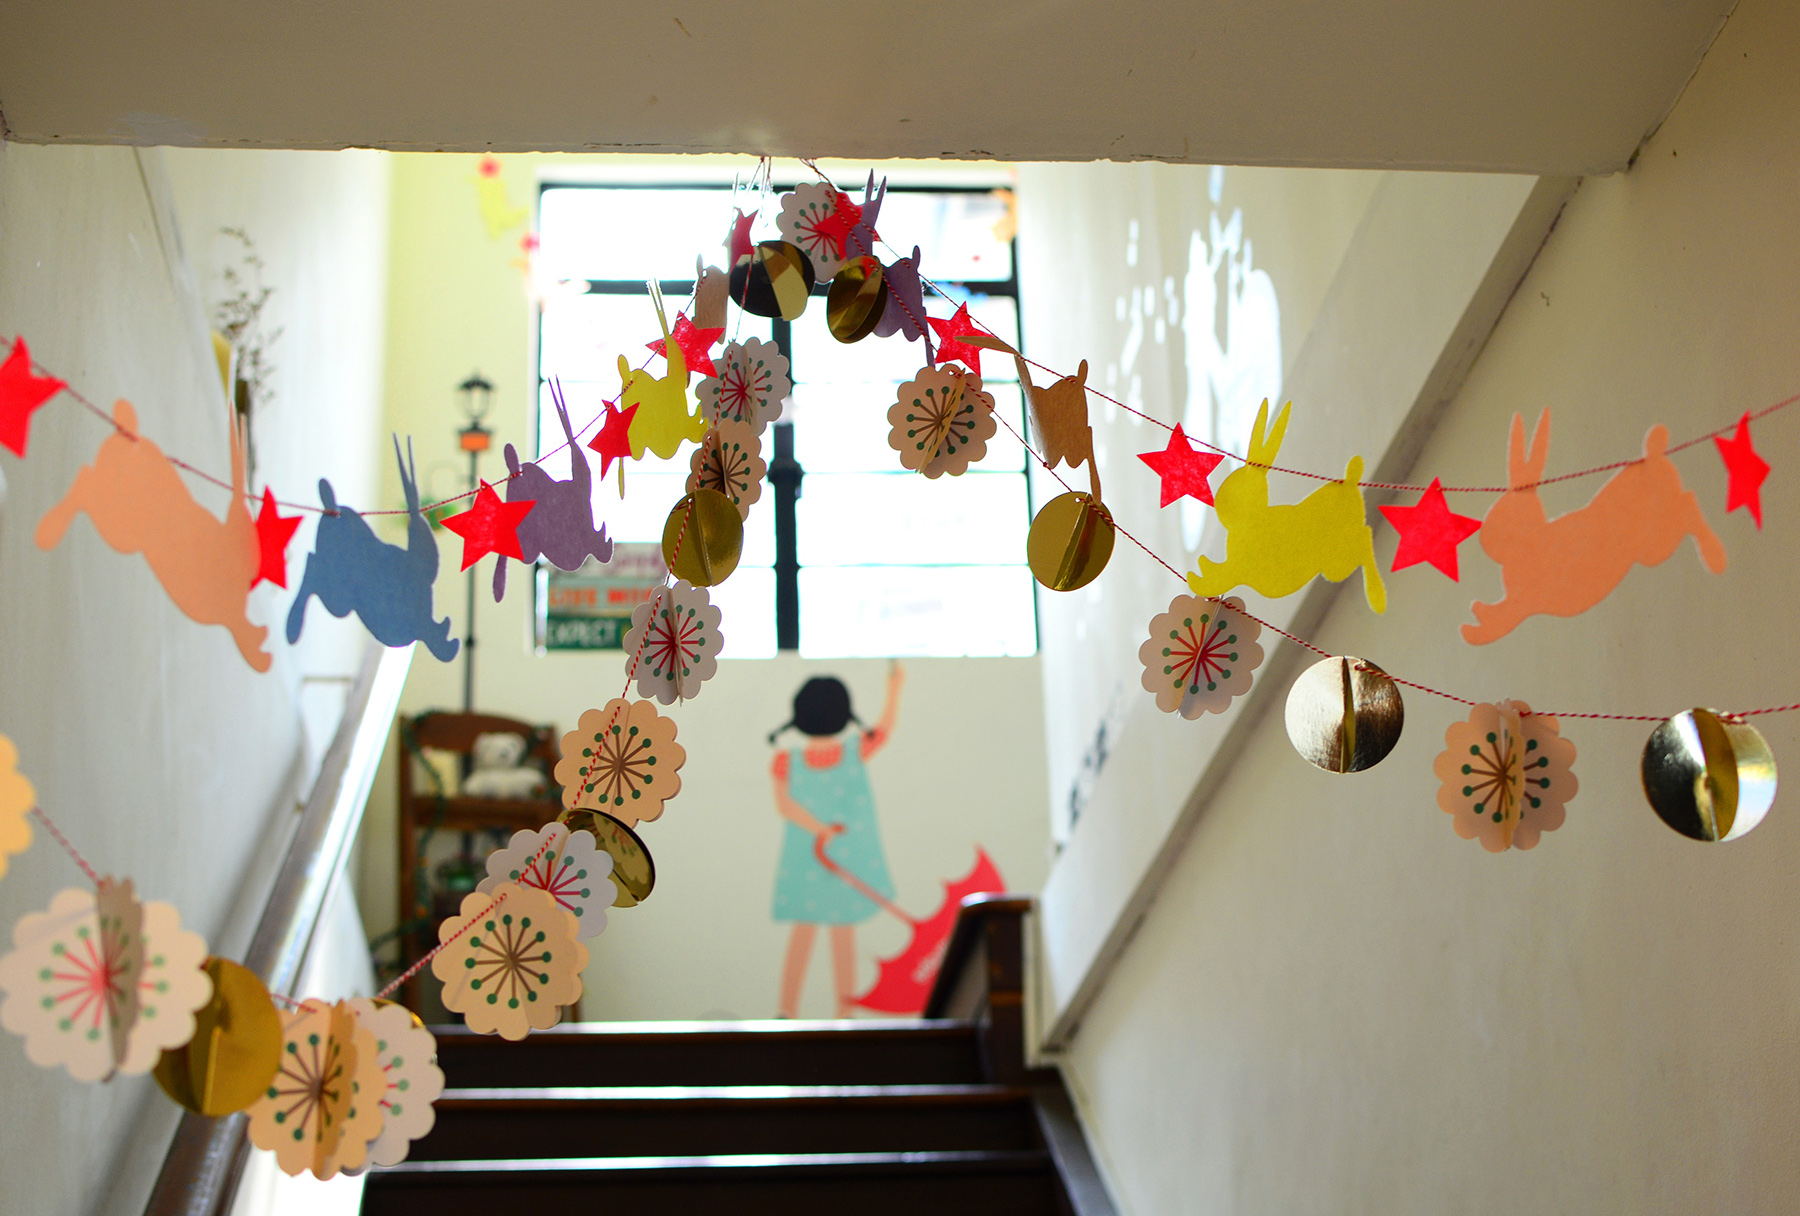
[590,608]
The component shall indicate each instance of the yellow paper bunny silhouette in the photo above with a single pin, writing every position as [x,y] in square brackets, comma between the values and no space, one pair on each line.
[662,420]
[1277,550]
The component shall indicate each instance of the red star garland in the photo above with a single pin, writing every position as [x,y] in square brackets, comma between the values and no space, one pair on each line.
[1747,471]
[737,241]
[836,227]
[490,526]
[20,394]
[273,532]
[1429,532]
[614,440]
[694,343]
[958,326]
[1184,469]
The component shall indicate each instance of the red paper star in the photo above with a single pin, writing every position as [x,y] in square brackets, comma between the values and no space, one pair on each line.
[958,326]
[614,440]
[1429,532]
[490,526]
[1747,471]
[273,532]
[489,167]
[836,227]
[737,241]
[1183,469]
[20,394]
[694,343]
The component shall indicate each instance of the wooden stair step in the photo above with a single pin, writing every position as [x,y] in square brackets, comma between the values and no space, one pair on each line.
[715,1054]
[1011,1183]
[642,1121]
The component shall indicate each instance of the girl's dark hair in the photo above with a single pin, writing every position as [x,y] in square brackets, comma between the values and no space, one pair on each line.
[821,709]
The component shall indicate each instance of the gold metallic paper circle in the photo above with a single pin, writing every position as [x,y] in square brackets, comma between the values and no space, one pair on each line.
[775,279]
[703,538]
[1070,542]
[235,1050]
[633,872]
[1344,714]
[1708,778]
[857,299]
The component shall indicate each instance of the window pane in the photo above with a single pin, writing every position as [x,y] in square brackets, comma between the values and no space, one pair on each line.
[609,233]
[900,610]
[819,356]
[954,231]
[843,428]
[857,519]
[746,603]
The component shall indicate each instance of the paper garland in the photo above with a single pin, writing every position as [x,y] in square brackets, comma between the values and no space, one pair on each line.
[17,797]
[1505,776]
[406,1054]
[675,636]
[323,1107]
[806,219]
[1200,655]
[21,393]
[568,865]
[560,527]
[729,460]
[621,759]
[101,983]
[941,422]
[510,959]
[1566,565]
[750,386]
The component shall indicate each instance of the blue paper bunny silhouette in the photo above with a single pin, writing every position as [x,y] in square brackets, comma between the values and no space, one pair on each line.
[387,586]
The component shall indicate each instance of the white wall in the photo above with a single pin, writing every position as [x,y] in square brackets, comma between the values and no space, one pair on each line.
[159,751]
[1335,1005]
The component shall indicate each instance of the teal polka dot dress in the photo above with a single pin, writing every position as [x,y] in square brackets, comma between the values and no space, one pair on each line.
[807,892]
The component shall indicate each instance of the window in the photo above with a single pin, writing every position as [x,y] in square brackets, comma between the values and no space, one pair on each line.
[883,561]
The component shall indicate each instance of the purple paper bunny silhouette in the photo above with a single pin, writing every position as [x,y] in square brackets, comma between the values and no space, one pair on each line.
[387,586]
[862,236]
[561,527]
[905,312]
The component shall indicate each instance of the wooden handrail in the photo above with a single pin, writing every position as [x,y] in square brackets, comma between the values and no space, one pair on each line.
[200,1173]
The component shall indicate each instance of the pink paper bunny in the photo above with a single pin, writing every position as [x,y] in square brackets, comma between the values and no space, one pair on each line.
[1277,550]
[1566,565]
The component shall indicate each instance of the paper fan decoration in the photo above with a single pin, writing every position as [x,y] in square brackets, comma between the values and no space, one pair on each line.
[806,219]
[941,422]
[323,1106]
[621,759]
[1505,773]
[729,460]
[407,1055]
[17,797]
[675,636]
[1200,655]
[510,960]
[569,865]
[751,384]
[102,983]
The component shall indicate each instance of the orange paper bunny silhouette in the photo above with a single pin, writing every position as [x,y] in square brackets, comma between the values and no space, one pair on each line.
[1058,413]
[1566,565]
[139,505]
[1278,550]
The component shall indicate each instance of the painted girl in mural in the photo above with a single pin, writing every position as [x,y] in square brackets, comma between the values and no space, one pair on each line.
[822,790]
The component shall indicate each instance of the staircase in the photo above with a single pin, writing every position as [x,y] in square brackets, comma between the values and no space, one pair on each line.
[934,1116]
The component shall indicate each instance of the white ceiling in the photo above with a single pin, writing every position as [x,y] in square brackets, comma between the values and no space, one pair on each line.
[1539,86]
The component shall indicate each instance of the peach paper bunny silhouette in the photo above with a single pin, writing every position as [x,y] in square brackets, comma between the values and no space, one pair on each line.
[1277,550]
[1566,565]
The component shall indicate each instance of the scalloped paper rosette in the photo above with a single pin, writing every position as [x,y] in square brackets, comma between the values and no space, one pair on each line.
[1506,774]
[89,992]
[17,797]
[1200,655]
[941,421]
[675,636]
[621,759]
[750,387]
[322,1109]
[569,865]
[729,459]
[803,210]
[407,1055]
[510,959]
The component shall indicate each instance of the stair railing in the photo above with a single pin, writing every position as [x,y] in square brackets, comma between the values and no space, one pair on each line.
[206,1158]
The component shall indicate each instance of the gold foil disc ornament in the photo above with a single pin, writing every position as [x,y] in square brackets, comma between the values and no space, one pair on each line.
[773,280]
[703,538]
[1344,714]
[235,1050]
[1070,542]
[857,300]
[1708,777]
[633,872]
